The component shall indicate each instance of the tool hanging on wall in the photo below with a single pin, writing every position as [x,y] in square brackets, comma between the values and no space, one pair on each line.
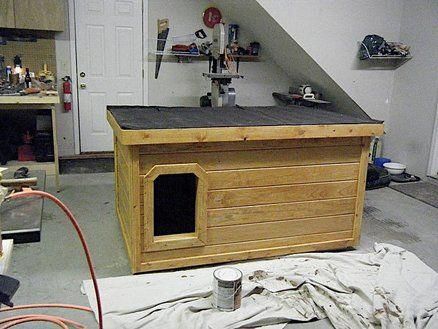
[163,32]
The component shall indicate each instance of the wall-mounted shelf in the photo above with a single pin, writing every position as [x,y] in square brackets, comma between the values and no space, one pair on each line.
[389,61]
[374,57]
[171,57]
[382,62]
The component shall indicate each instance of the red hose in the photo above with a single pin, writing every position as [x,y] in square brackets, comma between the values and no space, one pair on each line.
[36,319]
[39,316]
[68,306]
[84,246]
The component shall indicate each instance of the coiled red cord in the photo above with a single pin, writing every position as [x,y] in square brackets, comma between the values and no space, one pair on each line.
[54,319]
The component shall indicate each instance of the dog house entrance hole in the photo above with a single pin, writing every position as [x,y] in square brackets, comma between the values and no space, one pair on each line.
[175,204]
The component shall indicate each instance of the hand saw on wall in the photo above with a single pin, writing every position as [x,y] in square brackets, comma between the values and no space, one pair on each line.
[163,32]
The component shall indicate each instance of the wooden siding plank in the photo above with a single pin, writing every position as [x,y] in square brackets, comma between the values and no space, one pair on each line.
[126,237]
[125,206]
[278,211]
[256,159]
[248,145]
[362,177]
[279,229]
[136,220]
[223,179]
[246,254]
[212,250]
[283,211]
[125,154]
[259,177]
[280,194]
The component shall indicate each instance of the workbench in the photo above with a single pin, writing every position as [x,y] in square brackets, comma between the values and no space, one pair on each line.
[208,185]
[36,102]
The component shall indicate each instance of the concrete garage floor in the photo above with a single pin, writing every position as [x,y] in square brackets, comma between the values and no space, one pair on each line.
[51,271]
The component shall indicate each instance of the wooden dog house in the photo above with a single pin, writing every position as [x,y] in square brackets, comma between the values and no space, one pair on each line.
[201,185]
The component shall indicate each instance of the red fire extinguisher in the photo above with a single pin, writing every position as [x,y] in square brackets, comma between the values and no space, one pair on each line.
[66,88]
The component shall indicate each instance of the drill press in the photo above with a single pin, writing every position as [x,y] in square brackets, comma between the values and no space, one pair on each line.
[219,72]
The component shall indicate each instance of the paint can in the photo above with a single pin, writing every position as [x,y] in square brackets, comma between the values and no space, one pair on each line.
[227,289]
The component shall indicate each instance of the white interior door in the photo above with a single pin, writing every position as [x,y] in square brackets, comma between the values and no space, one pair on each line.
[109,54]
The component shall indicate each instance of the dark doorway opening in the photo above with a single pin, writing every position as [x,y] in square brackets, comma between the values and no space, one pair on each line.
[175,204]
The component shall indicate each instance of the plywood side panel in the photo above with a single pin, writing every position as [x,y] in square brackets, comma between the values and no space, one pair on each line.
[282,211]
[247,145]
[256,159]
[280,194]
[223,179]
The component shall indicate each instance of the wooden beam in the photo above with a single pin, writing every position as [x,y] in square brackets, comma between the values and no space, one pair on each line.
[360,193]
[23,100]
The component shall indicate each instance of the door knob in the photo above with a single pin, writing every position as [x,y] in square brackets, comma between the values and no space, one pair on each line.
[82,74]
[82,85]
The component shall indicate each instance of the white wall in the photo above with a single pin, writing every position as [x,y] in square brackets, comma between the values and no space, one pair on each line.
[63,67]
[316,25]
[182,84]
[415,90]
[290,56]
[178,84]
[328,30]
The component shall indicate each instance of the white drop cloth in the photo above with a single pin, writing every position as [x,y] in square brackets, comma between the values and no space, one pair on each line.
[390,288]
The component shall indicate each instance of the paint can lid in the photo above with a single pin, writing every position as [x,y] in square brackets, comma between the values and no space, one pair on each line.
[227,274]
